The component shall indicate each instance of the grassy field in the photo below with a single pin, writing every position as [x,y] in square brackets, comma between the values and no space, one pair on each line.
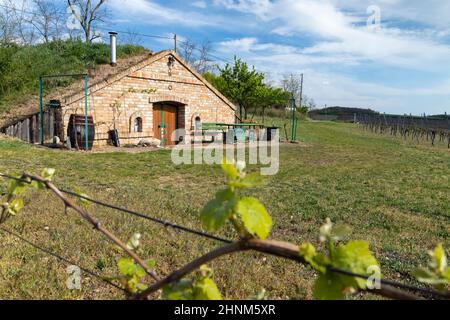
[393,193]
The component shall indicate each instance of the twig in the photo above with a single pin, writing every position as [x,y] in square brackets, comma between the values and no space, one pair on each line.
[131,212]
[61,258]
[94,222]
[4,213]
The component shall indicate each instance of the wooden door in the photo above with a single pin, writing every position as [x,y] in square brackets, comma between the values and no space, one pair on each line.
[165,122]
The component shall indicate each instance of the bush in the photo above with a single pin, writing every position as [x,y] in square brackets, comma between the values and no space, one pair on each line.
[21,66]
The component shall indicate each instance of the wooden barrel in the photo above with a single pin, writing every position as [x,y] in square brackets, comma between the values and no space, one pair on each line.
[76,132]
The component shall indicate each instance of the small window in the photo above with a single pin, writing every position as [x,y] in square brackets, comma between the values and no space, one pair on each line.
[138,124]
[198,123]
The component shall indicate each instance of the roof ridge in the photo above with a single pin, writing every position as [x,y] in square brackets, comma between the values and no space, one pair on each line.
[145,62]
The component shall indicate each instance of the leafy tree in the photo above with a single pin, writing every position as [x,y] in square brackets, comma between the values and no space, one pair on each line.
[240,84]
[215,80]
[269,97]
[245,87]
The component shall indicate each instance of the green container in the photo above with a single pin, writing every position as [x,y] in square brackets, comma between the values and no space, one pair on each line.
[252,135]
[240,135]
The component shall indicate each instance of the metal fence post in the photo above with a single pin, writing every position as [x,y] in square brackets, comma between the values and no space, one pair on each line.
[293,117]
[86,78]
[41,111]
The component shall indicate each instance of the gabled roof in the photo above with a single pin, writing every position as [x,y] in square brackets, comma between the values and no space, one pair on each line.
[151,59]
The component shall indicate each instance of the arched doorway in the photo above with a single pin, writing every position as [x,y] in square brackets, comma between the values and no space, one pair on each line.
[166,121]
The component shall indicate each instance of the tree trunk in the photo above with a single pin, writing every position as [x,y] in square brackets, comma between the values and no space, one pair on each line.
[263,115]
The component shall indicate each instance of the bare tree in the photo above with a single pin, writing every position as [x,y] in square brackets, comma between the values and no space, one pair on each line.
[15,23]
[197,55]
[309,103]
[46,20]
[187,50]
[293,84]
[132,37]
[89,13]
[8,25]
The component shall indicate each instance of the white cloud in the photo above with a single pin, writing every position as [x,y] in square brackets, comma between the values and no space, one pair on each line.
[337,35]
[341,40]
[200,4]
[150,12]
[283,31]
[331,88]
[256,7]
[431,12]
[237,45]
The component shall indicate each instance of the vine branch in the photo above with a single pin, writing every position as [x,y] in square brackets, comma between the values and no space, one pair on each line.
[275,248]
[94,222]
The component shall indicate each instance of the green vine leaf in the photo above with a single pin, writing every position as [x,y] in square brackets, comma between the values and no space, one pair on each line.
[128,267]
[38,185]
[340,232]
[200,288]
[206,289]
[48,173]
[15,187]
[151,263]
[427,276]
[317,260]
[255,217]
[355,257]
[440,259]
[217,211]
[330,232]
[438,272]
[131,273]
[230,170]
[181,290]
[329,286]
[252,180]
[83,202]
[15,206]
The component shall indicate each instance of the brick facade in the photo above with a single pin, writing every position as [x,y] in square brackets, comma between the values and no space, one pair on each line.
[117,102]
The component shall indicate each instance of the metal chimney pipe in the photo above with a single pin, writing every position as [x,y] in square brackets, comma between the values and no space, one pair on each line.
[113,45]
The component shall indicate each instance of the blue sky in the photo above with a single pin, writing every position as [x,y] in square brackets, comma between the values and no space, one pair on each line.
[400,67]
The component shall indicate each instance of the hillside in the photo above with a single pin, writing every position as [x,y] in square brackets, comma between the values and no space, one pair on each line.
[21,66]
[342,111]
